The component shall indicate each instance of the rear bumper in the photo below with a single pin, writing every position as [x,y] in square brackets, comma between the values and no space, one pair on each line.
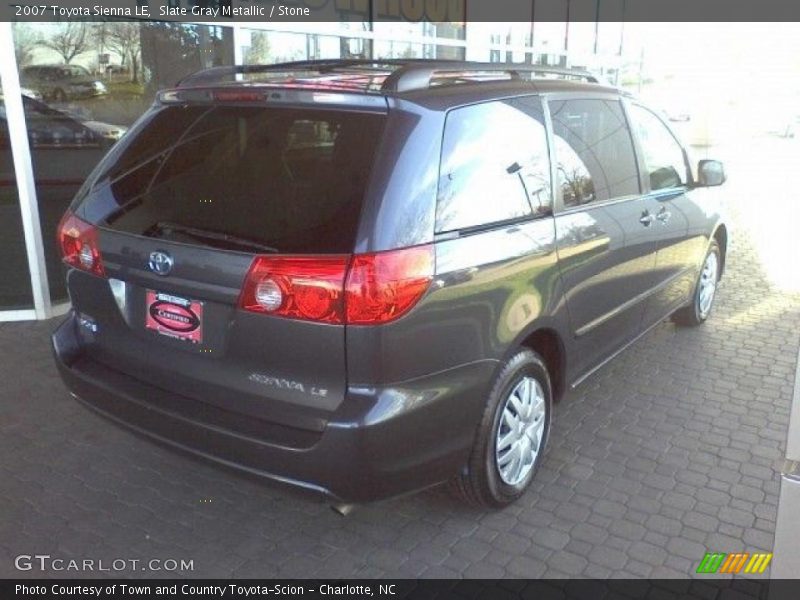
[381,442]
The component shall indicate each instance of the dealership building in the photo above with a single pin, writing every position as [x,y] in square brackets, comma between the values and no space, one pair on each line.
[72,88]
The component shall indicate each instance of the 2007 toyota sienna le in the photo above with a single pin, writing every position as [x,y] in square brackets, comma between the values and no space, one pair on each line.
[365,278]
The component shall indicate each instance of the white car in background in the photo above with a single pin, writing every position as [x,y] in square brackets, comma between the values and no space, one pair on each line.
[106,130]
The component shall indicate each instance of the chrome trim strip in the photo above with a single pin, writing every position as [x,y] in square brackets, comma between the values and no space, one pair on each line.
[584,329]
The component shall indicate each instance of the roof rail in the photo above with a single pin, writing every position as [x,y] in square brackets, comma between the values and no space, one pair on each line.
[414,76]
[400,75]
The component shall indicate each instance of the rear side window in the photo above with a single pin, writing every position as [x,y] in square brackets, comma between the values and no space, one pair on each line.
[242,178]
[495,165]
[594,151]
[662,154]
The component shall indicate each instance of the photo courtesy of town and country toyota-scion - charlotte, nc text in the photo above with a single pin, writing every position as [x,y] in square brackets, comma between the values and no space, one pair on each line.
[204,591]
[275,10]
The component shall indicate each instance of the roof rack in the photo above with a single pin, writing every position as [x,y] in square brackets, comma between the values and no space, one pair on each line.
[386,75]
[420,75]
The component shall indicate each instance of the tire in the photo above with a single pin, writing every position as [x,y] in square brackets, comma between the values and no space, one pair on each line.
[484,482]
[697,312]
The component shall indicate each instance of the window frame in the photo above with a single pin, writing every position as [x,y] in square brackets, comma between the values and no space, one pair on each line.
[640,158]
[558,205]
[504,223]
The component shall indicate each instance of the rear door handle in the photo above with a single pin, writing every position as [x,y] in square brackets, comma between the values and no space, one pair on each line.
[646,219]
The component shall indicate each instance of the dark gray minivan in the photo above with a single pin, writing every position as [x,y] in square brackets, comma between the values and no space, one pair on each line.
[365,278]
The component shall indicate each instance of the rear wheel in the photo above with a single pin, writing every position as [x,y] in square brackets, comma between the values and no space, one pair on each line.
[512,435]
[705,291]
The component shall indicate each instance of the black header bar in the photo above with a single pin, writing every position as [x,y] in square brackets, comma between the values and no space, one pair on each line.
[436,11]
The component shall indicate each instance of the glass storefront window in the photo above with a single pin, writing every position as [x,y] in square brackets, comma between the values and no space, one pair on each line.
[268,47]
[352,44]
[15,280]
[581,41]
[499,42]
[84,84]
[393,49]
[549,37]
[609,38]
[394,40]
[399,32]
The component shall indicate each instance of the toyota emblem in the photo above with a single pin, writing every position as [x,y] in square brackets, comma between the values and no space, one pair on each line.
[160,263]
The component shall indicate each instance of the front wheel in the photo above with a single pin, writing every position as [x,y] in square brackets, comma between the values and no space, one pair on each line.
[705,291]
[512,435]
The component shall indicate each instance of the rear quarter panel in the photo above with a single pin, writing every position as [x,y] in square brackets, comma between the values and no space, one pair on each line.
[431,370]
[490,289]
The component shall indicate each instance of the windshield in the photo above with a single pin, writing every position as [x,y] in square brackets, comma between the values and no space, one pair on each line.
[241,178]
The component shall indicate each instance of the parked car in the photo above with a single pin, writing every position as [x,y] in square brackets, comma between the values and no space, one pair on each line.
[49,127]
[373,289]
[106,130]
[61,83]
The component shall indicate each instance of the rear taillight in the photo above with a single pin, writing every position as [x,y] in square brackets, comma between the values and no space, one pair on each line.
[377,288]
[383,286]
[78,242]
[299,287]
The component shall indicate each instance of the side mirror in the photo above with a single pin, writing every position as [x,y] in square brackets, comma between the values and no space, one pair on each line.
[710,173]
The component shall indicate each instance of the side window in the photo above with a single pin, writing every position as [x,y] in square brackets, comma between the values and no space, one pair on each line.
[594,151]
[663,156]
[495,165]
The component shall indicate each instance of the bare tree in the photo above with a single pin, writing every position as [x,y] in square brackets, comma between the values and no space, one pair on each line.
[259,50]
[71,40]
[125,40]
[25,42]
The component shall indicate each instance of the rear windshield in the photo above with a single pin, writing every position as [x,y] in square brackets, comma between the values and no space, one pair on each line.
[241,178]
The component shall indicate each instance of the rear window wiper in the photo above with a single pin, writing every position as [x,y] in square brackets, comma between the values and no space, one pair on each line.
[164,227]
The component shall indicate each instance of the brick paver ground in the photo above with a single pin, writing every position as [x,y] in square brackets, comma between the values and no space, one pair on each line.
[672,450]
